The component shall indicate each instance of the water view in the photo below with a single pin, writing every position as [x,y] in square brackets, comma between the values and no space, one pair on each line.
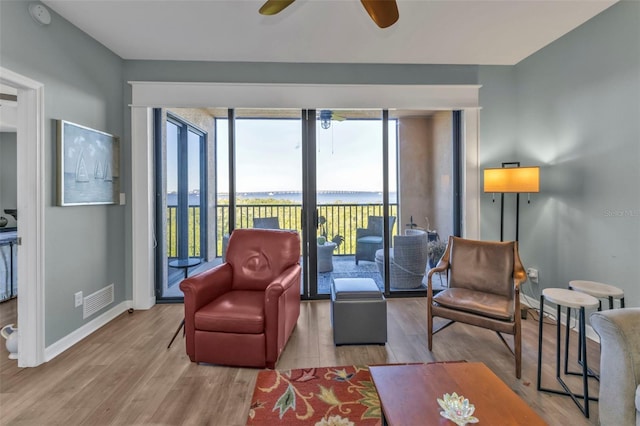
[324,197]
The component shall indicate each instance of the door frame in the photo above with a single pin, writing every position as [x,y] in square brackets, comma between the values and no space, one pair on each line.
[146,95]
[30,202]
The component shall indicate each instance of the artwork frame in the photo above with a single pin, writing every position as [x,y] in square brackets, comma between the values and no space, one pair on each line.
[88,163]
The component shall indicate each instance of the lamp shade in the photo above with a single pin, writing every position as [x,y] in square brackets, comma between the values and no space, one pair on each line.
[512,179]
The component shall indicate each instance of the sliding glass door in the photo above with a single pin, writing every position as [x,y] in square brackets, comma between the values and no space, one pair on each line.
[181,159]
[349,192]
[351,182]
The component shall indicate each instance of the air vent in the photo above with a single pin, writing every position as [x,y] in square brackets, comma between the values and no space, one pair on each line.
[98,300]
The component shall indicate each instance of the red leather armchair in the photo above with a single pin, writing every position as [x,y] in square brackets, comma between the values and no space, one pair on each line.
[242,312]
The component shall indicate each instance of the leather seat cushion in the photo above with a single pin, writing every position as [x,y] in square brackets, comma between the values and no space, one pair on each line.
[476,302]
[239,311]
[371,239]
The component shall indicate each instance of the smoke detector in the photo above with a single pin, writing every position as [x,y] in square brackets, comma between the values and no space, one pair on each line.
[40,13]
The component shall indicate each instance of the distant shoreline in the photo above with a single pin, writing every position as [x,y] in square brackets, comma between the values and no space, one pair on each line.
[323,197]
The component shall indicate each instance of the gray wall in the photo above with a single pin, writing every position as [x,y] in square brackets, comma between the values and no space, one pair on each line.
[83,84]
[257,72]
[572,108]
[577,115]
[8,175]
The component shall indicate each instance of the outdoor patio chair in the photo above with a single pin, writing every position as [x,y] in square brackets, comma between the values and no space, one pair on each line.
[266,223]
[258,223]
[407,259]
[484,290]
[369,239]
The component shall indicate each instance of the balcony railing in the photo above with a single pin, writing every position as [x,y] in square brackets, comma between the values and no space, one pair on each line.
[341,219]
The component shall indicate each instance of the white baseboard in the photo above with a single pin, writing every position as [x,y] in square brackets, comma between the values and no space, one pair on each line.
[144,304]
[74,337]
[591,334]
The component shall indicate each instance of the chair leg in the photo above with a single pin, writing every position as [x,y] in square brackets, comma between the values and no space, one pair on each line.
[429,330]
[517,342]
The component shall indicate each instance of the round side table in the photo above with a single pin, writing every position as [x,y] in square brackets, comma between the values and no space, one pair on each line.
[571,300]
[599,291]
[185,264]
[325,257]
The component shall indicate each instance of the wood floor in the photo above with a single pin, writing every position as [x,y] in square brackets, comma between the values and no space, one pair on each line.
[123,374]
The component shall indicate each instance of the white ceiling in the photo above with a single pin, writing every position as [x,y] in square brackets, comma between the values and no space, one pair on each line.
[484,32]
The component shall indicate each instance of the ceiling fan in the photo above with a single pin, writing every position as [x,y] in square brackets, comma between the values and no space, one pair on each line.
[326,116]
[383,12]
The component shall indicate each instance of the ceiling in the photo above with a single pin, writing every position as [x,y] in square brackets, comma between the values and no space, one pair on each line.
[479,32]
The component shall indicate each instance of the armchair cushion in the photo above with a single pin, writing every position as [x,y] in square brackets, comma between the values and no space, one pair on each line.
[257,259]
[470,256]
[233,312]
[371,239]
[476,302]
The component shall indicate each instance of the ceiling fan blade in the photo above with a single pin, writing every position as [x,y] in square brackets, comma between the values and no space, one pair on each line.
[271,7]
[383,12]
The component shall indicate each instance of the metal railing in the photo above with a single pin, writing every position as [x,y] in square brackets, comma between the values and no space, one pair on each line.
[341,219]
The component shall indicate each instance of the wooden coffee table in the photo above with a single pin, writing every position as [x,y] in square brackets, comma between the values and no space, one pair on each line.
[408,394]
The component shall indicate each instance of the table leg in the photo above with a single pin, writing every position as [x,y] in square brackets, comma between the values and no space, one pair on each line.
[176,333]
[540,342]
[582,348]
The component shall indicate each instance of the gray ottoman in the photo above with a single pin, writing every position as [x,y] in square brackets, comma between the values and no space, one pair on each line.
[358,312]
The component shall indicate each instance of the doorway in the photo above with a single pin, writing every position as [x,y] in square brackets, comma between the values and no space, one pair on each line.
[30,204]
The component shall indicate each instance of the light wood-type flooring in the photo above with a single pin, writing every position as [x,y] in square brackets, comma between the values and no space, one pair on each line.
[123,374]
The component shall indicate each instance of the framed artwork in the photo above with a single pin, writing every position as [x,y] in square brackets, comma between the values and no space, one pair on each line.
[88,166]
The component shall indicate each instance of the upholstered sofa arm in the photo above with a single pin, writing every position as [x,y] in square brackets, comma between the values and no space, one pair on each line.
[282,308]
[289,278]
[202,288]
[619,331]
[199,290]
[362,232]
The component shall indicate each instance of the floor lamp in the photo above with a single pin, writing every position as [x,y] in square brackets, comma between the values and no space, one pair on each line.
[511,178]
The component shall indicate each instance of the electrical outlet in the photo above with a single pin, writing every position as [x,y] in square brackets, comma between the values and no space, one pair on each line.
[532,274]
[78,299]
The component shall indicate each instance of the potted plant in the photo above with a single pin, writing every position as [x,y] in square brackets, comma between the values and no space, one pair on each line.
[323,238]
[435,251]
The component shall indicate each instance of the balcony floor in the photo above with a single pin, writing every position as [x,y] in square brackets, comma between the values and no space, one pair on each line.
[343,267]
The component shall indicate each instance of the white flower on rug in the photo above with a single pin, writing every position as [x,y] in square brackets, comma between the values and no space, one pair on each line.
[335,421]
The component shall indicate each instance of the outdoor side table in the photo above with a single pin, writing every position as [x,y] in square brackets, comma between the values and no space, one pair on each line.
[183,264]
[325,256]
[571,300]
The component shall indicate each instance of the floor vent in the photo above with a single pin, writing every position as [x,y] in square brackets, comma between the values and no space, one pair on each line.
[96,301]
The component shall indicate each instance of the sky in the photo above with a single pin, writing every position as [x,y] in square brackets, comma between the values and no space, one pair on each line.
[193,155]
[269,155]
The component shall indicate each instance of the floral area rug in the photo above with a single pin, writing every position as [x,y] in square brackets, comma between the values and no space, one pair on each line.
[328,396]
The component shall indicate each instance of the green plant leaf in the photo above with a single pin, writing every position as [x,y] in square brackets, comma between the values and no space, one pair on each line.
[338,239]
